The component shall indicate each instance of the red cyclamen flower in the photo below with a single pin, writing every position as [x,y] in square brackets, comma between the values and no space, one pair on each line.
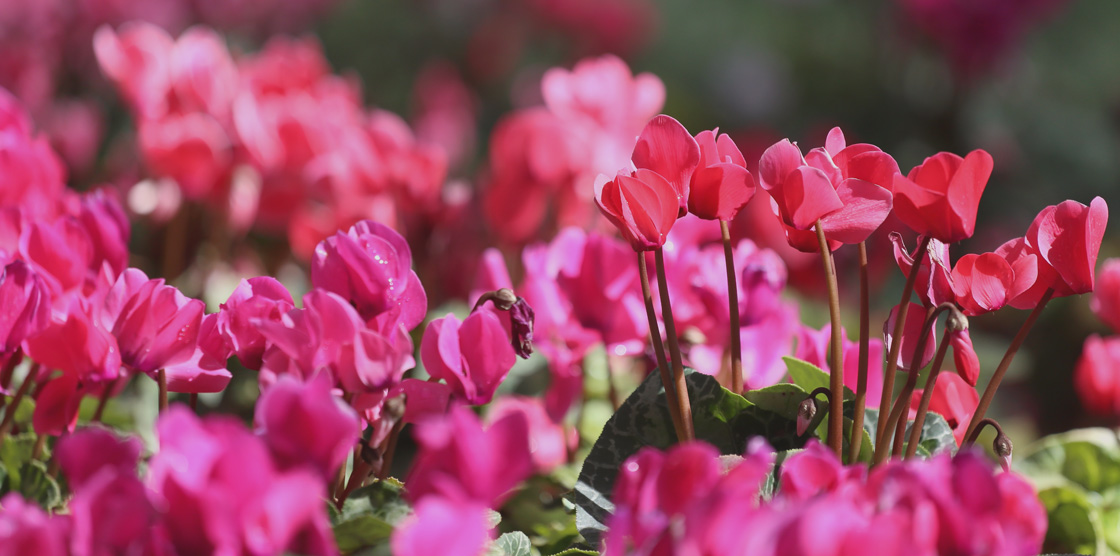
[939,197]
[472,357]
[844,187]
[642,205]
[721,184]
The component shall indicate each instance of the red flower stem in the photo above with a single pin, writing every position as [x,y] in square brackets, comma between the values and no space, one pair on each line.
[659,350]
[674,346]
[899,326]
[733,310]
[390,450]
[903,402]
[864,349]
[10,415]
[836,361]
[40,443]
[194,402]
[927,396]
[972,438]
[103,401]
[161,378]
[9,370]
[1016,343]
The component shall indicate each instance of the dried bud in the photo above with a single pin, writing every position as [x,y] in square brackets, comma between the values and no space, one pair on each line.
[394,408]
[805,413]
[1002,447]
[521,317]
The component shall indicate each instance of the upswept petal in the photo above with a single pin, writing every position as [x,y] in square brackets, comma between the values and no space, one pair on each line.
[488,353]
[666,147]
[865,207]
[777,162]
[1068,236]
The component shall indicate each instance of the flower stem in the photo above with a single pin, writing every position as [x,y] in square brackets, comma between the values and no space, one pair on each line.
[674,346]
[161,378]
[836,361]
[103,401]
[1016,343]
[864,349]
[390,450]
[899,326]
[972,438]
[733,310]
[10,415]
[927,396]
[659,351]
[882,448]
[193,401]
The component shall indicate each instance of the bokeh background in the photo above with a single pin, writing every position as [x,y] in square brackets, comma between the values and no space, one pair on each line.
[1034,82]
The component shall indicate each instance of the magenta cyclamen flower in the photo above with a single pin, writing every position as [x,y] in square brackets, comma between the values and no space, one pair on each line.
[25,305]
[27,529]
[157,326]
[371,266]
[262,298]
[328,335]
[473,357]
[463,462]
[304,424]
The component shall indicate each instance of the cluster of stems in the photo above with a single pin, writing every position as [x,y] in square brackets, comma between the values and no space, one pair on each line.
[891,427]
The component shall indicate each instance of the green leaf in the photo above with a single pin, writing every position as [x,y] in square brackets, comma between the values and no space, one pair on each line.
[783,399]
[810,377]
[1087,457]
[361,531]
[722,418]
[15,453]
[514,543]
[369,515]
[36,484]
[937,435]
[576,552]
[1074,523]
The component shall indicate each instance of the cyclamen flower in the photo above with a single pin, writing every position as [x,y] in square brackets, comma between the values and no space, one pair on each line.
[463,462]
[1068,238]
[934,284]
[954,399]
[982,283]
[473,357]
[370,265]
[304,424]
[1106,296]
[939,197]
[813,346]
[666,148]
[844,187]
[642,205]
[27,529]
[257,299]
[1096,377]
[25,306]
[157,326]
[721,184]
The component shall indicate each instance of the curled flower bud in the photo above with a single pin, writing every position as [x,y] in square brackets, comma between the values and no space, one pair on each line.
[1002,447]
[521,317]
[956,321]
[805,413]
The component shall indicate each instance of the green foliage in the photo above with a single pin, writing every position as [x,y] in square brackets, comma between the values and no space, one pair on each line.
[722,418]
[367,519]
[1078,477]
[514,543]
[19,472]
[810,377]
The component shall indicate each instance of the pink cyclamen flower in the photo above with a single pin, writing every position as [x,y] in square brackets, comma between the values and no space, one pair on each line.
[548,440]
[304,424]
[813,346]
[442,526]
[25,305]
[463,462]
[845,187]
[27,529]
[77,345]
[667,148]
[1097,375]
[328,335]
[473,357]
[157,326]
[982,283]
[1106,295]
[84,454]
[371,266]
[642,205]
[257,299]
[940,197]
[934,284]
[964,356]
[1068,238]
[721,184]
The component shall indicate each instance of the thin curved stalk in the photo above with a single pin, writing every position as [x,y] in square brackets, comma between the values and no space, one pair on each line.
[659,350]
[733,311]
[1008,356]
[836,361]
[864,350]
[927,396]
[674,346]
